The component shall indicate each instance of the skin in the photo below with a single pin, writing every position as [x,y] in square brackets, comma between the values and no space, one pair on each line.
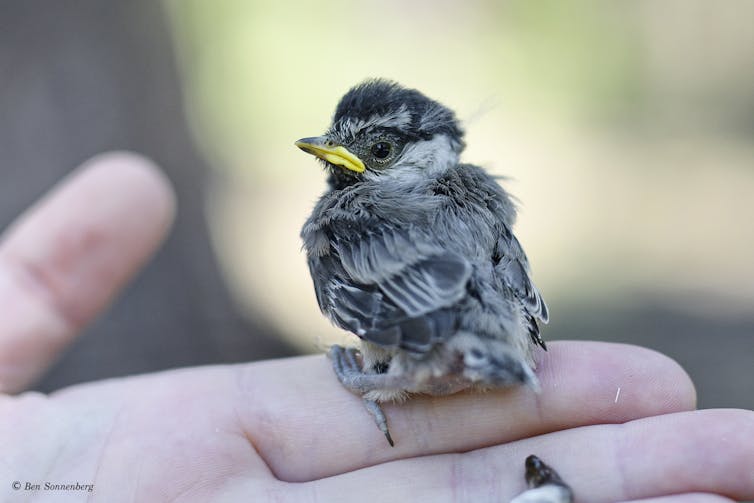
[286,430]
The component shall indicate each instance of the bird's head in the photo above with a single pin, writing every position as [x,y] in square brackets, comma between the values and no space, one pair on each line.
[381,128]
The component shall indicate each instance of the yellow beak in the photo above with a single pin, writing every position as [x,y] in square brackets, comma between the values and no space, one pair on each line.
[335,154]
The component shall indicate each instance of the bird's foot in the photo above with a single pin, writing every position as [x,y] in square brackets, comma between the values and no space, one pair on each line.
[348,370]
[350,373]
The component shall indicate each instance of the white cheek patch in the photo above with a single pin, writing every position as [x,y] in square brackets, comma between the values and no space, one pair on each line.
[419,161]
[436,154]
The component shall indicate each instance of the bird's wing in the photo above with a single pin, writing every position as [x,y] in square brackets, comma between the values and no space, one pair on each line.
[414,271]
[513,267]
[390,287]
[508,256]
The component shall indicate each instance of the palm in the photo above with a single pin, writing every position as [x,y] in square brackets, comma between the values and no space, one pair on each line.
[257,431]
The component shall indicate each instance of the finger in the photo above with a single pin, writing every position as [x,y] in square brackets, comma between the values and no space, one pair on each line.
[685,498]
[65,258]
[295,407]
[701,451]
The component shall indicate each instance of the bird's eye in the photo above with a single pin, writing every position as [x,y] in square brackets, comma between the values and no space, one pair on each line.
[381,149]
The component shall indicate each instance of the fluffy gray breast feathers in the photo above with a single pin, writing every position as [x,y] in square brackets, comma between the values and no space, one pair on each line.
[399,265]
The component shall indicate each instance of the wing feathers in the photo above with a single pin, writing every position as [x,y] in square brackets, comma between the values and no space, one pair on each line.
[413,271]
[514,268]
[391,287]
[431,284]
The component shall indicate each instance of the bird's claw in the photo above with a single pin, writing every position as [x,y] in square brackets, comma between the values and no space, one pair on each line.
[379,417]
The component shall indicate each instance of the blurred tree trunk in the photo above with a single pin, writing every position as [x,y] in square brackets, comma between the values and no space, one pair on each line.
[78,78]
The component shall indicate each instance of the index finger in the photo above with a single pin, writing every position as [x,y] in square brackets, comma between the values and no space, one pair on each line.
[295,409]
[66,257]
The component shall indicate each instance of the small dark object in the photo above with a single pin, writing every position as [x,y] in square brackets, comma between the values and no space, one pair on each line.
[538,473]
[545,485]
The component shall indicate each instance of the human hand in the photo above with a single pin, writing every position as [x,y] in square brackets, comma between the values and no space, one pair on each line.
[286,430]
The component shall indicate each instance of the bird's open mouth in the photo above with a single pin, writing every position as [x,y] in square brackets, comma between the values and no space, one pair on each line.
[334,154]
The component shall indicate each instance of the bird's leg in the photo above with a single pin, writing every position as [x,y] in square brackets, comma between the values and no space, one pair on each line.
[352,376]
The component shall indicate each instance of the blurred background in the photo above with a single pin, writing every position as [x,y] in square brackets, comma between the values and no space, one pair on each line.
[626,131]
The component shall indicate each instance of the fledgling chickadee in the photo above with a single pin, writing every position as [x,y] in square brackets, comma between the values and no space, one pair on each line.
[412,251]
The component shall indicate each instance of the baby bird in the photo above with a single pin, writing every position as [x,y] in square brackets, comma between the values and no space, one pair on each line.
[412,251]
